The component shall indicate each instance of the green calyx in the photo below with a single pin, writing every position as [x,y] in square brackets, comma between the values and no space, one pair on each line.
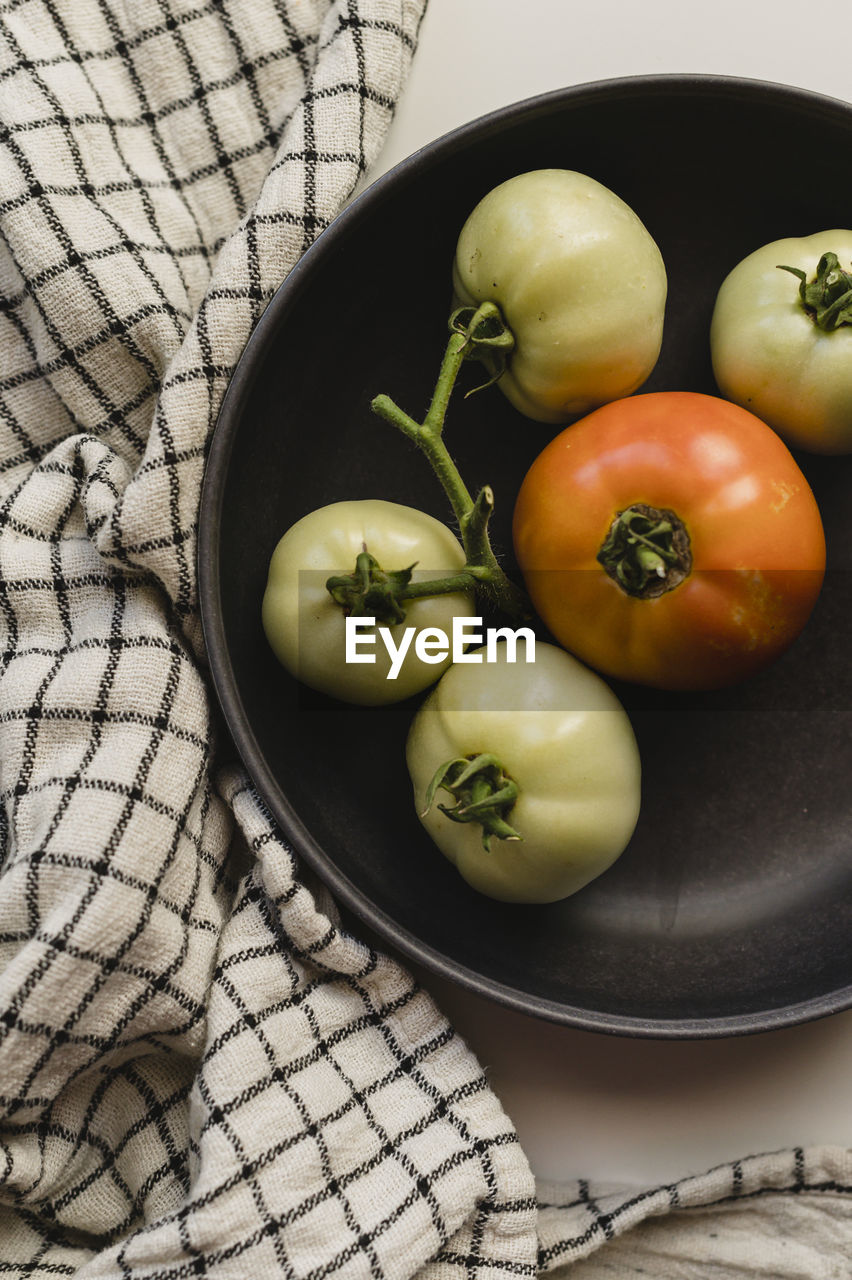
[647,551]
[827,298]
[483,792]
[487,338]
[370,592]
[373,592]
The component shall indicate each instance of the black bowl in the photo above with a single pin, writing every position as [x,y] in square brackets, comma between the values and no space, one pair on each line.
[731,910]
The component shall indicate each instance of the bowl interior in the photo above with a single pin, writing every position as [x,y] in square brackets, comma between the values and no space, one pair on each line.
[731,908]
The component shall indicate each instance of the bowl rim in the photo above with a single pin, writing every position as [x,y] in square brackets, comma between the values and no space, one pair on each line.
[221,669]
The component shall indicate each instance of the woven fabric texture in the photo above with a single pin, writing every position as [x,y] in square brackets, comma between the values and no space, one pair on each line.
[201,1072]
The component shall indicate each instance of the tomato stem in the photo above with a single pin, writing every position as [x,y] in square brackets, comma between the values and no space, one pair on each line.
[472,332]
[370,591]
[483,791]
[827,298]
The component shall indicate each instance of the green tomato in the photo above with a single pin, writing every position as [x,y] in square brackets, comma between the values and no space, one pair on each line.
[562,738]
[580,283]
[307,629]
[771,353]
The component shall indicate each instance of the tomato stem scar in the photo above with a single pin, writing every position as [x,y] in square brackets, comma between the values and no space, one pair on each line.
[647,551]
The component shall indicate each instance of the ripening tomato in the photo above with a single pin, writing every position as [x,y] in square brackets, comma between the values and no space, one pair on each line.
[580,283]
[784,350]
[306,628]
[558,736]
[670,539]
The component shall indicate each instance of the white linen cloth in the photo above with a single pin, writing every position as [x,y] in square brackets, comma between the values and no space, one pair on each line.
[201,1072]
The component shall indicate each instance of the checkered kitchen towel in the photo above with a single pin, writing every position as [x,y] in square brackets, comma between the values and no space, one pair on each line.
[201,1073]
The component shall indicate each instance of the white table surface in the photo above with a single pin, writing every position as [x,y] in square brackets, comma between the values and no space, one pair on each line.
[617,1109]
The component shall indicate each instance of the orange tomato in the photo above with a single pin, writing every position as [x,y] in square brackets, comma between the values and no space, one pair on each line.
[670,539]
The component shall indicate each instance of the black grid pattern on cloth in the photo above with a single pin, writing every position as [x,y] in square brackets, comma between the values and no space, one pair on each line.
[783,1214]
[200,1072]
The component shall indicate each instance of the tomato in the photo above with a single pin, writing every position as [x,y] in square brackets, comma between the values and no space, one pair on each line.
[306,628]
[712,539]
[784,350]
[580,284]
[556,738]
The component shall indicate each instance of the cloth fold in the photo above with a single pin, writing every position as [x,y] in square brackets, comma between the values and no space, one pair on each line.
[201,1071]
